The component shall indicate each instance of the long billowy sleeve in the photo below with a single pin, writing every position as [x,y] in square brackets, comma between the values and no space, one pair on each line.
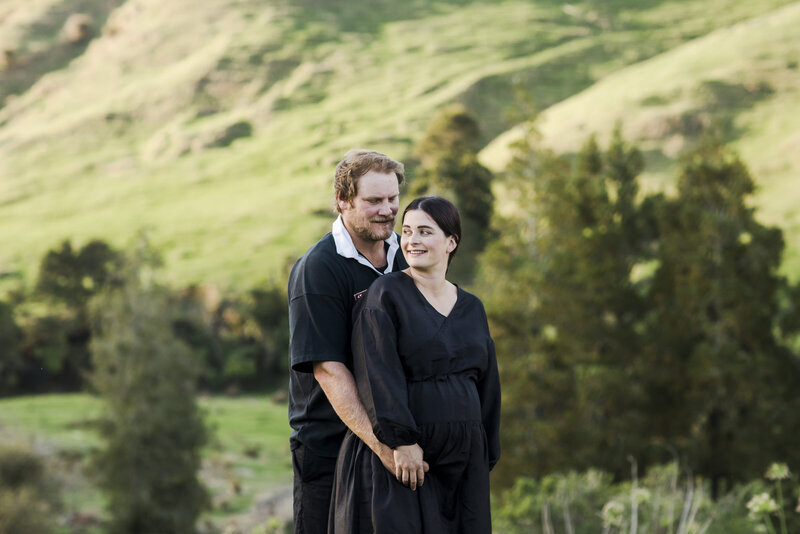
[381,379]
[489,392]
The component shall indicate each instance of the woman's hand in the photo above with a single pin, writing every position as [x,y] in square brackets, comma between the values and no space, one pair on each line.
[408,465]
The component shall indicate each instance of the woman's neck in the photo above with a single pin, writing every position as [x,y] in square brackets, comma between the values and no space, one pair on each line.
[431,280]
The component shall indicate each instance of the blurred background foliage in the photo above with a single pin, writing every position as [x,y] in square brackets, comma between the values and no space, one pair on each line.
[625,172]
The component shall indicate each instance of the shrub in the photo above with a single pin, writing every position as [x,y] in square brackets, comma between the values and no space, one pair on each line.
[665,501]
[27,497]
[78,28]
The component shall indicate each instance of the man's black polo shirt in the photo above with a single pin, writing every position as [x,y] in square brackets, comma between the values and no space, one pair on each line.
[323,287]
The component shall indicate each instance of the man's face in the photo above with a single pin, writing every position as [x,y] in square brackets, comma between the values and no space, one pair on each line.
[371,214]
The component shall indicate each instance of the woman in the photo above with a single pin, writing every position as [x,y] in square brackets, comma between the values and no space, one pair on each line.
[426,372]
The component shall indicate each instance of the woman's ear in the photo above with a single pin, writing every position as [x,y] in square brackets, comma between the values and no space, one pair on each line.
[451,244]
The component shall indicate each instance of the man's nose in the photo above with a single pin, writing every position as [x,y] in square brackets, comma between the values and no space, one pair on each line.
[385,209]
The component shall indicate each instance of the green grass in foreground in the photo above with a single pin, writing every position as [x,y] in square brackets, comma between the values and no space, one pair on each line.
[248,455]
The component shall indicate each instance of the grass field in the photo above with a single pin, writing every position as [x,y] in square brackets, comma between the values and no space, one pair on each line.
[247,461]
[216,125]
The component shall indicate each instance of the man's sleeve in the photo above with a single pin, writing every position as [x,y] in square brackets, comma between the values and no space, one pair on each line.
[318,318]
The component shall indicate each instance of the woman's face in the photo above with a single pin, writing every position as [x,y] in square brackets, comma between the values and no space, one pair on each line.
[424,244]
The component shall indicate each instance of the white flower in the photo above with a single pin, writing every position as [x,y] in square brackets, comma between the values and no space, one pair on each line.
[777,472]
[761,504]
[613,514]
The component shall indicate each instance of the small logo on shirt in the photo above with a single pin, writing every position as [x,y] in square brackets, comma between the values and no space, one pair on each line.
[360,294]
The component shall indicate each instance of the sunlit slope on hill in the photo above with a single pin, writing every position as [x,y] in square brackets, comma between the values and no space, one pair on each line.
[216,125]
[743,80]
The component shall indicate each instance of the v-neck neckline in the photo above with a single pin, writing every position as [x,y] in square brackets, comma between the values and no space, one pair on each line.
[428,303]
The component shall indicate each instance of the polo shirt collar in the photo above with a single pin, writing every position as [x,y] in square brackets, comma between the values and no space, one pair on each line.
[346,248]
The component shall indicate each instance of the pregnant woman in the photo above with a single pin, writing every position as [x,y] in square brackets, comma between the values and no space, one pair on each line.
[426,371]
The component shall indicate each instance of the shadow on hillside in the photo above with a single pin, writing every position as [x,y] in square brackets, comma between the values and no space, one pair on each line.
[357,17]
[28,68]
[493,98]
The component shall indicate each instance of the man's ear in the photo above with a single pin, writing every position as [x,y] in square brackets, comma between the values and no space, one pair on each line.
[343,204]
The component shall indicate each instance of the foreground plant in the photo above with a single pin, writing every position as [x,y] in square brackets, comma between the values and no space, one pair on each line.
[762,505]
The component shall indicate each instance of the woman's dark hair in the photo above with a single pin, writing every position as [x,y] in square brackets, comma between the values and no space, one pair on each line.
[443,212]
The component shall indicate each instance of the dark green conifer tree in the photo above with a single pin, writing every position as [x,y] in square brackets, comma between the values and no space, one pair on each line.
[649,328]
[153,429]
[566,311]
[723,390]
[449,167]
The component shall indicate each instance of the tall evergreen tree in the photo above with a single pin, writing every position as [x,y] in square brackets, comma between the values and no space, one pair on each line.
[570,354]
[449,167]
[153,429]
[648,328]
[726,391]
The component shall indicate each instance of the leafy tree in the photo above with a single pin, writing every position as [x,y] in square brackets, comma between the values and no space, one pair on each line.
[10,339]
[74,276]
[153,429]
[449,167]
[726,390]
[53,352]
[650,328]
[243,339]
[268,308]
[569,346]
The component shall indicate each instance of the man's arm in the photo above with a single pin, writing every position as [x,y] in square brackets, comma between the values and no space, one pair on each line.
[339,386]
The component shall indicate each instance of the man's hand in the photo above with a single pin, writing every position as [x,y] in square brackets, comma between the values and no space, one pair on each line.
[409,467]
[337,382]
[386,456]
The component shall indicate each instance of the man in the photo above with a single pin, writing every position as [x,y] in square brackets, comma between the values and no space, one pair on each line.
[323,287]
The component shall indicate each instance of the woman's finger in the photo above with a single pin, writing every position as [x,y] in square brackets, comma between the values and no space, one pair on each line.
[412,480]
[420,477]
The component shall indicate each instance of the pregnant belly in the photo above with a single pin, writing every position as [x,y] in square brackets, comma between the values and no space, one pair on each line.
[444,399]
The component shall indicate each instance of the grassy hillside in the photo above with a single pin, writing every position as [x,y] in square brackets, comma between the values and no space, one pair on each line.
[743,80]
[216,124]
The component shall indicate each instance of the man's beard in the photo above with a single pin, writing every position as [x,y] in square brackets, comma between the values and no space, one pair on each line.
[365,231]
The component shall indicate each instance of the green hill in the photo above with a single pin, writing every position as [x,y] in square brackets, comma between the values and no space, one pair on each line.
[743,79]
[216,124]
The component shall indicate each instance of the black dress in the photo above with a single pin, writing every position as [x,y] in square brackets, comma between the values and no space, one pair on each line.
[428,379]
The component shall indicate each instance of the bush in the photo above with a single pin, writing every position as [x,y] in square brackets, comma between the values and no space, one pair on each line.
[556,501]
[27,498]
[665,501]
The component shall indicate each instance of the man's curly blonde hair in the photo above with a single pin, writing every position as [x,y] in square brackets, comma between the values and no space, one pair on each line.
[358,162]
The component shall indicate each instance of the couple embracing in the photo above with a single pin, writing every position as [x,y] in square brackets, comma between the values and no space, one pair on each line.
[394,392]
